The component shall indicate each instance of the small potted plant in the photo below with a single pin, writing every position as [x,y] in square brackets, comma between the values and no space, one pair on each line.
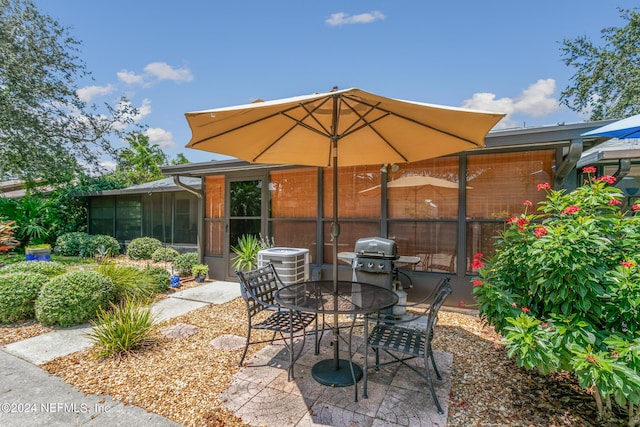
[199,272]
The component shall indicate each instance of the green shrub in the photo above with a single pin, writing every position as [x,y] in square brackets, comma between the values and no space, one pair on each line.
[105,245]
[160,278]
[73,298]
[85,245]
[143,247]
[563,288]
[48,268]
[125,327]
[18,293]
[130,283]
[74,244]
[164,254]
[184,263]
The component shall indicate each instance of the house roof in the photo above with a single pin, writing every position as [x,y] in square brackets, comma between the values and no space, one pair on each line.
[14,189]
[614,149]
[161,185]
[217,166]
[560,134]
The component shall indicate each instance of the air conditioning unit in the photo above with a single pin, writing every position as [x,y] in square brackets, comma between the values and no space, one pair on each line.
[292,264]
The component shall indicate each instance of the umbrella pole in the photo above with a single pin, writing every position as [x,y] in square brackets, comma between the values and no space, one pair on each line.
[335,229]
[329,372]
[335,232]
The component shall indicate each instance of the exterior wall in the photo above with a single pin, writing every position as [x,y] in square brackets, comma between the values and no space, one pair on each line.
[443,224]
[171,217]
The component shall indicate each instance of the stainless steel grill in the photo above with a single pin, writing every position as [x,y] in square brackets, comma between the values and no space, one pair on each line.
[373,262]
[376,247]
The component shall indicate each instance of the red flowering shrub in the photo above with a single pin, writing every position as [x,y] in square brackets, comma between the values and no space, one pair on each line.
[563,288]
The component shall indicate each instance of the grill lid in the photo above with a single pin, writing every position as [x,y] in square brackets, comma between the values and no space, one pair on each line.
[376,247]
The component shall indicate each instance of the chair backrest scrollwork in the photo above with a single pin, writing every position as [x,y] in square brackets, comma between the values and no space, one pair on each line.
[258,288]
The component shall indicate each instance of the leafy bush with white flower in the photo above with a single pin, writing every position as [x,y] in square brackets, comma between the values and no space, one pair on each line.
[563,288]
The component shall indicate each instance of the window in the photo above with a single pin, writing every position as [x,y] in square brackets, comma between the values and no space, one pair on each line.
[156,209]
[101,215]
[293,207]
[350,232]
[355,201]
[128,218]
[214,215]
[185,219]
[423,212]
[497,186]
[434,242]
[293,193]
[354,198]
[426,189]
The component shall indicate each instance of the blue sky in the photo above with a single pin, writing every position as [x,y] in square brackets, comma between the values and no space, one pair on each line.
[173,57]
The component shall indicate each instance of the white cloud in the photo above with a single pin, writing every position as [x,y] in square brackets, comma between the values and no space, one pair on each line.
[164,71]
[130,77]
[109,165]
[154,73]
[86,94]
[161,137]
[144,110]
[535,101]
[341,18]
[487,101]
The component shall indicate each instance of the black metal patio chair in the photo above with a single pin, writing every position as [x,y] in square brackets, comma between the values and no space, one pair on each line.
[404,342]
[258,288]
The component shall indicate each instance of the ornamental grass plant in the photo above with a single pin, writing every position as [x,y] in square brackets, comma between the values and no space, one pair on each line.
[563,288]
[125,327]
[246,252]
[130,283]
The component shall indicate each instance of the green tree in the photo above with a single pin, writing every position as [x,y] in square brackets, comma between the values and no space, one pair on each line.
[69,207]
[180,160]
[141,161]
[607,79]
[43,217]
[46,131]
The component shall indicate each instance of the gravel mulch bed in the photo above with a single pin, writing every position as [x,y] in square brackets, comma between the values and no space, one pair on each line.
[21,331]
[178,378]
[181,378]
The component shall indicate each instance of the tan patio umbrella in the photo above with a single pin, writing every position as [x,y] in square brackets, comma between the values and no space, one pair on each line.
[338,128]
[415,182]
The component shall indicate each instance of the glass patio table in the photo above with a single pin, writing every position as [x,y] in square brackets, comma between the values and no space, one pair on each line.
[347,298]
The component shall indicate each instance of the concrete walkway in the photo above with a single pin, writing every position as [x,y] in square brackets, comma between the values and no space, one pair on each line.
[30,396]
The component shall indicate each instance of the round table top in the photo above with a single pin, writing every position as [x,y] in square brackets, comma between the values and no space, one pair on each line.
[349,297]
